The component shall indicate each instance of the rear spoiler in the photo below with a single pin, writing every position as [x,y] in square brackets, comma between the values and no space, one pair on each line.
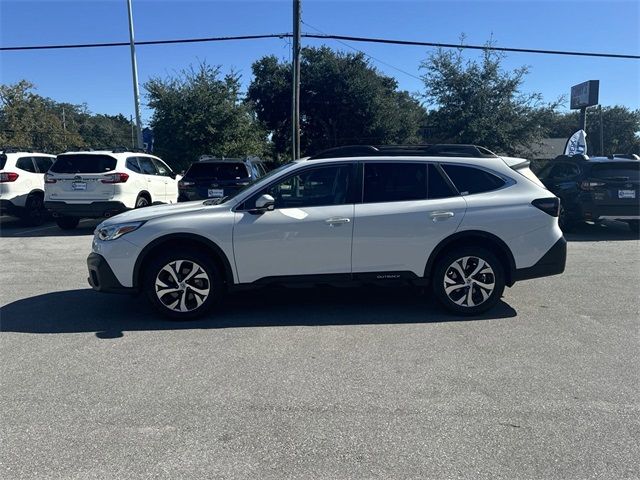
[516,163]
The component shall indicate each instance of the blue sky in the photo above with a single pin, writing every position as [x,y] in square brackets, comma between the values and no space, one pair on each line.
[102,79]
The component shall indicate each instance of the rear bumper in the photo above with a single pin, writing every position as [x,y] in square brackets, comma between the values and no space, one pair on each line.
[85,210]
[101,277]
[552,263]
[590,211]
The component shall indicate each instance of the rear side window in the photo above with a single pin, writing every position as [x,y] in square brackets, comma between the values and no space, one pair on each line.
[438,186]
[83,163]
[394,182]
[43,163]
[563,171]
[217,171]
[132,164]
[147,166]
[26,164]
[470,180]
[621,171]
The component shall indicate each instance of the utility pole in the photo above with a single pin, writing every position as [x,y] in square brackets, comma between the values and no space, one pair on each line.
[134,70]
[583,118]
[295,114]
[133,141]
[601,132]
[64,129]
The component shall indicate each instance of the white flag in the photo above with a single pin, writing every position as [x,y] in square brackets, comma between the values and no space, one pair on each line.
[577,144]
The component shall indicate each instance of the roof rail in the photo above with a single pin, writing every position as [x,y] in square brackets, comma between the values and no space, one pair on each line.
[424,150]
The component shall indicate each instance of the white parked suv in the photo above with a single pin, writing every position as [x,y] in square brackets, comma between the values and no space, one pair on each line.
[97,184]
[22,184]
[460,218]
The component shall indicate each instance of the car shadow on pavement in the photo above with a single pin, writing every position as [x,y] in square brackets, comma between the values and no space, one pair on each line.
[76,311]
[14,228]
[601,232]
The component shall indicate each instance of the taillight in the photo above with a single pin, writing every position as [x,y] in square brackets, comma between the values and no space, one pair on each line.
[549,206]
[182,184]
[115,178]
[588,185]
[49,179]
[8,177]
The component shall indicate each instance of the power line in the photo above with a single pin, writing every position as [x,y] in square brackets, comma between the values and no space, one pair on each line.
[471,47]
[366,54]
[328,37]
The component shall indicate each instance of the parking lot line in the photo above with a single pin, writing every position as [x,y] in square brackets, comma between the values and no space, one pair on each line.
[40,229]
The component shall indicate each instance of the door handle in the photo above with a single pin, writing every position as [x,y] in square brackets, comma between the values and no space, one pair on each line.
[437,216]
[336,221]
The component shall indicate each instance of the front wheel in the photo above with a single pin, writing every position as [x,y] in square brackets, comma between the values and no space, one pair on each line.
[183,286]
[469,280]
[67,223]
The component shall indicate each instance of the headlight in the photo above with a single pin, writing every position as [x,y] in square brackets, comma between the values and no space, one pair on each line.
[112,232]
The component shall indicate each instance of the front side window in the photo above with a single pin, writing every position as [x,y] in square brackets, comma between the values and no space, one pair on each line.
[470,180]
[394,182]
[161,167]
[313,187]
[26,164]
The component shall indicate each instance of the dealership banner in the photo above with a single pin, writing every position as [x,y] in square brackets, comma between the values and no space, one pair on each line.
[577,144]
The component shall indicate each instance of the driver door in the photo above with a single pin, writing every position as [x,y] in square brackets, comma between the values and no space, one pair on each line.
[309,232]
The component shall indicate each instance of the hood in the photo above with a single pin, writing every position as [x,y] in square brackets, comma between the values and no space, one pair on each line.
[149,213]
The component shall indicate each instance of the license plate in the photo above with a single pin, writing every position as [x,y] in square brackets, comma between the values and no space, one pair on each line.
[215,192]
[626,194]
[79,185]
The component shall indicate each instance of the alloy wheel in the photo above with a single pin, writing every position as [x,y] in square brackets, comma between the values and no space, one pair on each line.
[182,285]
[469,281]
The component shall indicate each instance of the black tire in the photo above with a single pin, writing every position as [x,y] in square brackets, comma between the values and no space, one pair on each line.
[185,291]
[142,201]
[565,221]
[634,226]
[444,267]
[67,223]
[34,213]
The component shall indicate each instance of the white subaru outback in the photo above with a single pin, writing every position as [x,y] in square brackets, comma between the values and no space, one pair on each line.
[460,218]
[97,184]
[22,184]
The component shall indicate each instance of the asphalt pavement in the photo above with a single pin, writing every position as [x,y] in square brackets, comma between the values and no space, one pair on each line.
[319,383]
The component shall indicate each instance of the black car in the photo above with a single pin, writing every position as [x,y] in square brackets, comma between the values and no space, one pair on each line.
[595,189]
[218,177]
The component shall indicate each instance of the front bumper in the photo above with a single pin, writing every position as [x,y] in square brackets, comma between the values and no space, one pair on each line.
[101,277]
[552,263]
[85,210]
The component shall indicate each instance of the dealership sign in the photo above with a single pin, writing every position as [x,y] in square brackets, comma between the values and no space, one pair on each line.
[585,94]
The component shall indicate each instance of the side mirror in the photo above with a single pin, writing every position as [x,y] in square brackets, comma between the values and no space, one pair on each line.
[264,203]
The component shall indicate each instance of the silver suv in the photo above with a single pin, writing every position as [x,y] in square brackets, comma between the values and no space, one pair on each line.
[459,218]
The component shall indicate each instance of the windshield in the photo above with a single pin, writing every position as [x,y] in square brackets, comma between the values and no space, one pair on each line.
[217,171]
[624,171]
[83,163]
[264,179]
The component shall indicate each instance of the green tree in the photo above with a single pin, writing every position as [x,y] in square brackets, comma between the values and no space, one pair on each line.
[344,100]
[479,102]
[28,120]
[198,112]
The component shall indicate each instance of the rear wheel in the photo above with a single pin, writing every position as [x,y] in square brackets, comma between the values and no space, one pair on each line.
[34,213]
[565,221]
[634,226]
[67,223]
[142,201]
[183,285]
[469,280]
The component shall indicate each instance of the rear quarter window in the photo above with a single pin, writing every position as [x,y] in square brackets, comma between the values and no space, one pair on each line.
[84,164]
[470,180]
[3,161]
[26,164]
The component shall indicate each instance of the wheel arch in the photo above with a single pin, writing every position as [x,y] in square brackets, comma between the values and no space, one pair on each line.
[475,238]
[182,240]
[144,193]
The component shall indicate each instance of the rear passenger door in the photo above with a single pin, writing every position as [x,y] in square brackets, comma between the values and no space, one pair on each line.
[407,209]
[155,183]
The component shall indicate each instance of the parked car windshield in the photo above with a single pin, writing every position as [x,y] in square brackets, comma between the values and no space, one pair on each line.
[218,171]
[617,170]
[82,163]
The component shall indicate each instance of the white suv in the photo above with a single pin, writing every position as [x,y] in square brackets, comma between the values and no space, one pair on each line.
[468,225]
[104,183]
[22,184]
